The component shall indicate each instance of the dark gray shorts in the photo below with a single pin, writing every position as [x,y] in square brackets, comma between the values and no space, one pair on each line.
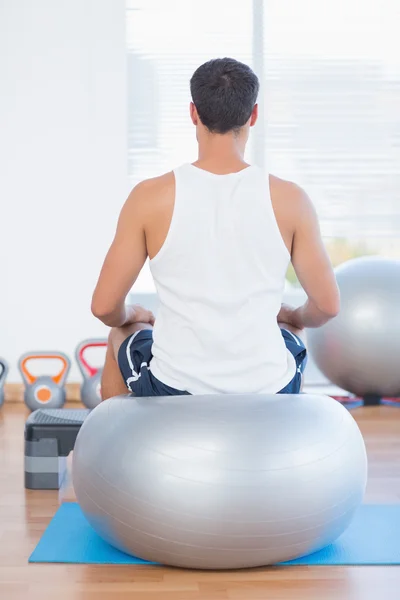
[135,355]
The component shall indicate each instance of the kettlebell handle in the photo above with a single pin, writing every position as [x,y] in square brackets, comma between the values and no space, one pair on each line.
[86,369]
[4,371]
[59,379]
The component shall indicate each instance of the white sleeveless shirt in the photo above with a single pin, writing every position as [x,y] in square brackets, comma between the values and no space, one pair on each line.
[220,278]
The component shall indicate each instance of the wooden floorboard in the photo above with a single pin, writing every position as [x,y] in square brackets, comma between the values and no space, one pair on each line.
[25,514]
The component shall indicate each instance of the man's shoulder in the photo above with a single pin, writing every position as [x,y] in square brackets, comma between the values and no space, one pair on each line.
[152,196]
[287,195]
[162,183]
[152,193]
[285,189]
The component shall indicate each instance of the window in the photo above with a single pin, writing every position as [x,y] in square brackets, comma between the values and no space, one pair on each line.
[330,103]
[333,73]
[167,41]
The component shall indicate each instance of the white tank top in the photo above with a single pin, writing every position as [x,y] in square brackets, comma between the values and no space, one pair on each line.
[220,278]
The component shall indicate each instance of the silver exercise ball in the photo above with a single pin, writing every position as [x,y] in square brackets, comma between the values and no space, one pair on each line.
[359,350]
[219,482]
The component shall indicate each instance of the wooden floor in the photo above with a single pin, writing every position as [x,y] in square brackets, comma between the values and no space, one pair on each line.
[25,514]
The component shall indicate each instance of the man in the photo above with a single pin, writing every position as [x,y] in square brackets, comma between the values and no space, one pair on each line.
[219,234]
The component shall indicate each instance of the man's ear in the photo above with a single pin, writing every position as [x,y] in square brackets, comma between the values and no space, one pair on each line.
[254,115]
[193,114]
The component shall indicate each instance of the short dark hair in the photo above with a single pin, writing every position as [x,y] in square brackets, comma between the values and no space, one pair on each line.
[224,92]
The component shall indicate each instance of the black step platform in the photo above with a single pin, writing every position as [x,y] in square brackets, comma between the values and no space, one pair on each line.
[50,436]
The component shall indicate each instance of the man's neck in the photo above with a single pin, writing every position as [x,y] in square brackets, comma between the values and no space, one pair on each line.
[221,153]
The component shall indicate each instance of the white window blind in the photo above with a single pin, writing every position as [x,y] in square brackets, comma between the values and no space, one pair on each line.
[330,77]
[167,41]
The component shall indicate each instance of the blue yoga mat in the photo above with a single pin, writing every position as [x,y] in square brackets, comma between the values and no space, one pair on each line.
[373,538]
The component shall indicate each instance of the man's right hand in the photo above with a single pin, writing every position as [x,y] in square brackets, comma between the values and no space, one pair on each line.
[138,314]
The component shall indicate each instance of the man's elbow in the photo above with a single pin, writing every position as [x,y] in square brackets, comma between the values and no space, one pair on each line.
[332,312]
[330,307]
[100,309]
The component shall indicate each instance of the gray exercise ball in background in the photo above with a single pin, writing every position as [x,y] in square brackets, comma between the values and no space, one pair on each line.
[359,350]
[219,482]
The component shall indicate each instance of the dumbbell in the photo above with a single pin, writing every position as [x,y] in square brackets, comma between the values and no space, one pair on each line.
[44,391]
[90,388]
[3,375]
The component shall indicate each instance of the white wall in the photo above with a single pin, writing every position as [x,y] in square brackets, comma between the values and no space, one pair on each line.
[63,166]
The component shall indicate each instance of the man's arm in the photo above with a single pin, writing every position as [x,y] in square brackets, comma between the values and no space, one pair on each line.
[313,267]
[122,266]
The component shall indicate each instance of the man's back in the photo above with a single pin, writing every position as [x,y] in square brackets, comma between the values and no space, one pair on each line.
[158,200]
[219,264]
